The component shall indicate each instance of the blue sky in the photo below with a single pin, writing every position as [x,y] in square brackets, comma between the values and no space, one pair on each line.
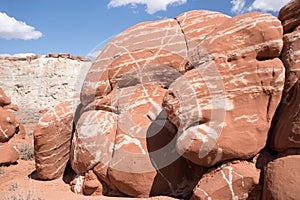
[78,26]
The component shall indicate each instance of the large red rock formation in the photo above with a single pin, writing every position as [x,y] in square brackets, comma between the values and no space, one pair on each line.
[166,100]
[212,104]
[52,140]
[285,133]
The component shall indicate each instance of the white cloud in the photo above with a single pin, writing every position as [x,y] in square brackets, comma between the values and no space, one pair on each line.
[152,6]
[239,6]
[19,55]
[10,28]
[268,5]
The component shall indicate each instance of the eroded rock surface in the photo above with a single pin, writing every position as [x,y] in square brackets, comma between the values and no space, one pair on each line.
[175,71]
[9,154]
[9,124]
[38,82]
[212,104]
[52,140]
[286,127]
[230,181]
[183,107]
[282,178]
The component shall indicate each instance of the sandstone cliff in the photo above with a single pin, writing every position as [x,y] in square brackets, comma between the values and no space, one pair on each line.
[36,83]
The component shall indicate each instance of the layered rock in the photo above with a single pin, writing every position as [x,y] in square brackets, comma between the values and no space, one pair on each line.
[138,47]
[132,86]
[230,181]
[289,15]
[212,104]
[52,140]
[174,68]
[38,82]
[165,100]
[282,178]
[285,133]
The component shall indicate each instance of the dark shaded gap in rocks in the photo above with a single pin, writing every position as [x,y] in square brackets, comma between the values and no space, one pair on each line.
[68,174]
[161,145]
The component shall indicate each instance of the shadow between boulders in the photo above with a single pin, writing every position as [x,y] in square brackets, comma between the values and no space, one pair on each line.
[33,175]
[176,177]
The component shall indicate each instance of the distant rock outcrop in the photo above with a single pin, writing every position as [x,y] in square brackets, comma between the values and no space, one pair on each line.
[186,108]
[38,82]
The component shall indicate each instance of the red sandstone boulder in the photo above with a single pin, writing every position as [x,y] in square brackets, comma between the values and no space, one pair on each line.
[161,38]
[285,132]
[165,96]
[282,179]
[141,133]
[9,154]
[9,126]
[197,24]
[289,15]
[52,140]
[231,181]
[91,184]
[213,104]
[4,100]
[93,140]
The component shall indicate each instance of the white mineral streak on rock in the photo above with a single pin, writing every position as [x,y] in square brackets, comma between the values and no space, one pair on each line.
[93,140]
[205,193]
[4,132]
[79,184]
[250,119]
[217,158]
[291,138]
[229,181]
[127,140]
[169,38]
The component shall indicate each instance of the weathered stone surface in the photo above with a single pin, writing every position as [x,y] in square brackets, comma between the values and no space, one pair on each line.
[91,184]
[212,107]
[9,154]
[39,83]
[177,96]
[93,140]
[285,132]
[9,126]
[282,179]
[52,140]
[290,58]
[139,120]
[197,24]
[230,181]
[4,100]
[289,15]
[159,38]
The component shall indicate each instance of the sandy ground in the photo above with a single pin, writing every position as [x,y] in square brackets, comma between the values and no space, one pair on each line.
[17,182]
